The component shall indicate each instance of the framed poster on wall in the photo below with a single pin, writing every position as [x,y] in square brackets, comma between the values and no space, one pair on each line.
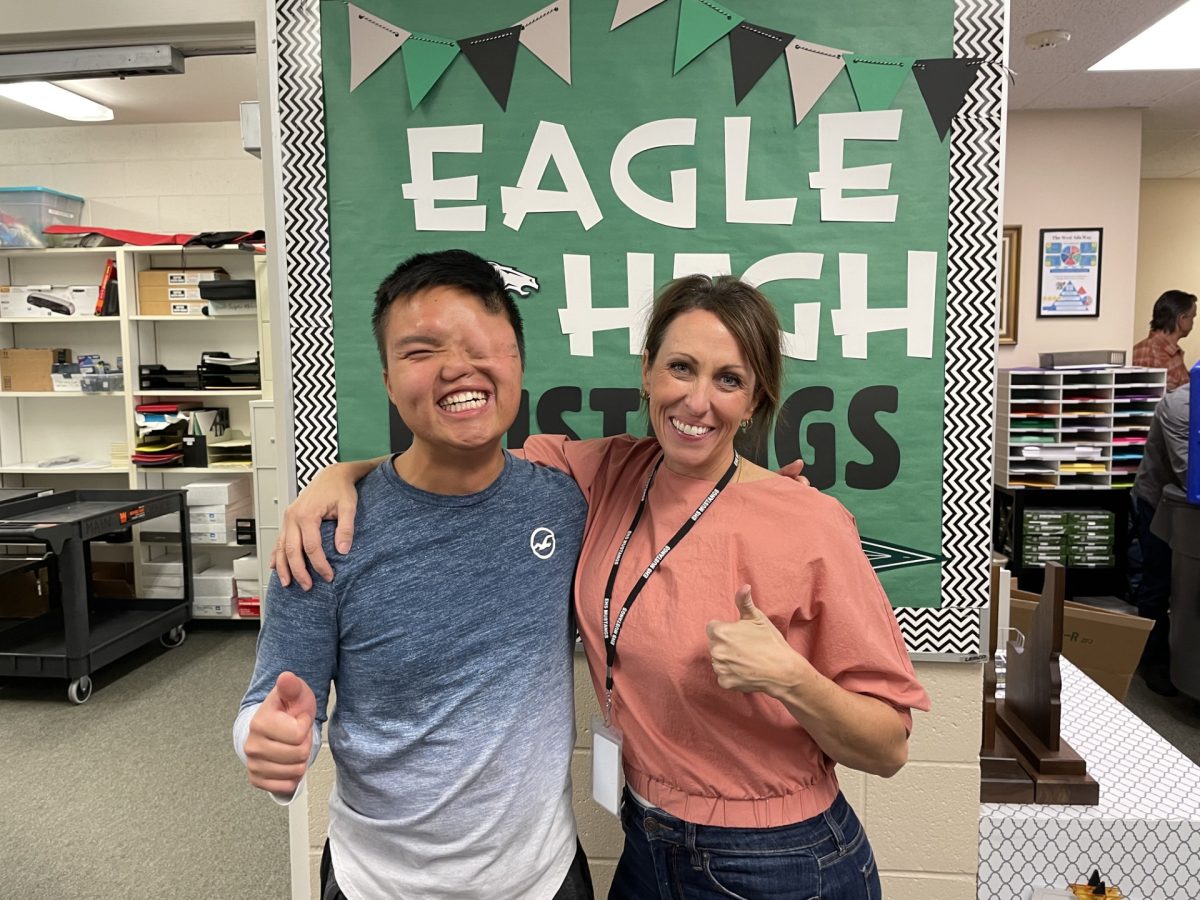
[1069,272]
[841,161]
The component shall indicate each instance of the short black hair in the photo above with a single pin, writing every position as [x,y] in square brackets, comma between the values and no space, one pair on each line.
[1168,308]
[445,268]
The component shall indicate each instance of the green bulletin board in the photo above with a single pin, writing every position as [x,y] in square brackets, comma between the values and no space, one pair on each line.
[606,186]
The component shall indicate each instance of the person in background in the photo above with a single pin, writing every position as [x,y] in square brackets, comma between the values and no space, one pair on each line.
[1164,462]
[447,634]
[1172,319]
[761,652]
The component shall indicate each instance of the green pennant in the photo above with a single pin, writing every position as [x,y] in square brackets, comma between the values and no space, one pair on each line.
[701,24]
[426,58]
[877,79]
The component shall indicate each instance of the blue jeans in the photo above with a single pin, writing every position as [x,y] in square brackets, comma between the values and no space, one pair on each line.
[826,857]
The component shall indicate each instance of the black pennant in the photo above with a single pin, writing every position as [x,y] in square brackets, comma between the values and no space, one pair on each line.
[494,56]
[944,84]
[752,49]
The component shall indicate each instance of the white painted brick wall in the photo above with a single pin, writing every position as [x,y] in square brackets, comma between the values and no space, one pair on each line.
[162,178]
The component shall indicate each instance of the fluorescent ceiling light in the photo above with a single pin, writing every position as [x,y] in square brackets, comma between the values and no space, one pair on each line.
[1170,43]
[57,101]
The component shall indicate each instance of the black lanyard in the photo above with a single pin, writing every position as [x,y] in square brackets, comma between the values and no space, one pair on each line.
[610,639]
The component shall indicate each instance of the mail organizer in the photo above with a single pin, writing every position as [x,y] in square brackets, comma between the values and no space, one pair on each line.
[155,377]
[220,371]
[217,371]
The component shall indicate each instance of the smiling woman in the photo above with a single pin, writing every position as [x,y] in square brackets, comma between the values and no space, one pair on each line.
[711,366]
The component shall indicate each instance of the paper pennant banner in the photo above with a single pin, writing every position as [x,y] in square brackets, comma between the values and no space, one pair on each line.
[944,84]
[494,56]
[426,58]
[877,79]
[631,9]
[701,24]
[752,50]
[811,69]
[547,35]
[372,43]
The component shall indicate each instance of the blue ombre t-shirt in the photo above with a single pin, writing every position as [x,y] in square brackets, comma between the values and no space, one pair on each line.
[447,633]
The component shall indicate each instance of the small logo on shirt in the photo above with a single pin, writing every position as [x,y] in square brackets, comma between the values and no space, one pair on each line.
[541,542]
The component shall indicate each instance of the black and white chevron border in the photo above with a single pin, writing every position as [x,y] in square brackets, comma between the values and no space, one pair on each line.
[949,631]
[972,256]
[971,260]
[305,237]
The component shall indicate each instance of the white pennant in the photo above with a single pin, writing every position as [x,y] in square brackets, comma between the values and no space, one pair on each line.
[811,69]
[372,42]
[631,9]
[547,35]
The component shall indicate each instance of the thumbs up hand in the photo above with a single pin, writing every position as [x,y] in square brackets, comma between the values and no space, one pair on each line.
[750,654]
[280,738]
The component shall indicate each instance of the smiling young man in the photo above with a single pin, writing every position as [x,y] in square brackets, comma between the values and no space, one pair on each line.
[446,633]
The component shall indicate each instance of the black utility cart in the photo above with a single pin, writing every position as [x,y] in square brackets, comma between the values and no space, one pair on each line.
[10,495]
[82,631]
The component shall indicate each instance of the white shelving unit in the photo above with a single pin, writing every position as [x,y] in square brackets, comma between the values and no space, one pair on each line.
[36,426]
[1081,429]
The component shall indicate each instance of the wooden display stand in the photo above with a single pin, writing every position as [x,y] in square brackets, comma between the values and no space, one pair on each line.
[1022,756]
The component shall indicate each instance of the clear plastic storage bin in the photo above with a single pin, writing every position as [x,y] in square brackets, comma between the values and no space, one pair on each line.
[26,211]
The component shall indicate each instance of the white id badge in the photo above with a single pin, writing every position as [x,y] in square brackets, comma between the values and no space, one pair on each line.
[608,775]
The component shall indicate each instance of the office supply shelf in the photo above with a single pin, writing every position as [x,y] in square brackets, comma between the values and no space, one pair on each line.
[83,632]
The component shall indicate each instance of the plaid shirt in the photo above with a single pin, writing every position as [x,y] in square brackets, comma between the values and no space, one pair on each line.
[1161,351]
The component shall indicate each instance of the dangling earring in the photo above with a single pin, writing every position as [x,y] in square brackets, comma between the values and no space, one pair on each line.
[645,395]
[746,423]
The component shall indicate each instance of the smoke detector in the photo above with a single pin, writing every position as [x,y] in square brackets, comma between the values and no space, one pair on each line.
[1044,40]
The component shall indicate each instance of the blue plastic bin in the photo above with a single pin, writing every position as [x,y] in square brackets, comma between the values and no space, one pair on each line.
[26,211]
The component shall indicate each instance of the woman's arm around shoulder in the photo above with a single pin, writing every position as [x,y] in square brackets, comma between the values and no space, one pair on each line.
[330,495]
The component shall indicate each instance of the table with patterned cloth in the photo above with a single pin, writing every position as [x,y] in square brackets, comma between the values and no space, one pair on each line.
[1144,836]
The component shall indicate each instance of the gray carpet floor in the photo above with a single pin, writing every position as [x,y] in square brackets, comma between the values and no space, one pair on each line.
[137,794]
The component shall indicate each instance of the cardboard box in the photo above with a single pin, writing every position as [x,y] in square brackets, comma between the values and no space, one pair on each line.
[218,516]
[164,305]
[43,301]
[214,584]
[24,595]
[209,608]
[29,369]
[1105,645]
[174,292]
[179,277]
[218,492]
[249,587]
[245,568]
[112,579]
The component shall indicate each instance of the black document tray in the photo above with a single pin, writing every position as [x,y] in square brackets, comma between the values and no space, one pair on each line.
[153,377]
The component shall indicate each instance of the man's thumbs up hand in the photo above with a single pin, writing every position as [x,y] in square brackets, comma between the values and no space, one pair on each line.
[750,654]
[280,739]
